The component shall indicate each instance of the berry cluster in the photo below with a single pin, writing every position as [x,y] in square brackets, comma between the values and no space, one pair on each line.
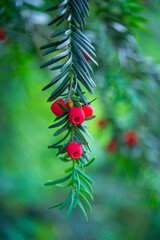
[76,116]
[130,138]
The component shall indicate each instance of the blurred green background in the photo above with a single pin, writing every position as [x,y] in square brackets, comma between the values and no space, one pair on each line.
[126,179]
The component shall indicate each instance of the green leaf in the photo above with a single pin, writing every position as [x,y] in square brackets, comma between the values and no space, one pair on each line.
[85,201]
[92,101]
[84,40]
[55,145]
[64,44]
[87,193]
[65,185]
[73,175]
[70,169]
[69,92]
[67,200]
[85,156]
[76,99]
[83,44]
[77,191]
[67,63]
[58,180]
[51,98]
[86,183]
[63,3]
[70,207]
[63,108]
[64,159]
[59,123]
[57,33]
[61,130]
[58,66]
[79,55]
[84,130]
[77,104]
[82,80]
[82,209]
[84,51]
[89,118]
[55,20]
[83,98]
[90,162]
[83,72]
[54,206]
[62,149]
[79,135]
[85,176]
[81,160]
[80,33]
[62,54]
[61,86]
[60,116]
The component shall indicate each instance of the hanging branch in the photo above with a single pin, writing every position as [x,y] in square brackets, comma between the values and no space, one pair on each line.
[72,51]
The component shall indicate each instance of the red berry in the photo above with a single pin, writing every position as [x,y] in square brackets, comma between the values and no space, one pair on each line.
[2,34]
[87,59]
[56,109]
[112,146]
[76,116]
[130,138]
[74,150]
[102,123]
[88,110]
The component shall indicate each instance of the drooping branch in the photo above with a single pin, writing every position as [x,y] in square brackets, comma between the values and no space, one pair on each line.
[71,53]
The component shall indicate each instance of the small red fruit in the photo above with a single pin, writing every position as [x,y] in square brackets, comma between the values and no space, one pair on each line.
[102,123]
[56,109]
[87,59]
[74,150]
[2,34]
[112,146]
[130,138]
[76,116]
[88,110]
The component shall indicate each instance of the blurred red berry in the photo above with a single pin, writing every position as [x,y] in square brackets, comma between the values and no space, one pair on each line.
[56,109]
[87,59]
[130,138]
[88,110]
[102,123]
[2,34]
[112,146]
[74,150]
[76,116]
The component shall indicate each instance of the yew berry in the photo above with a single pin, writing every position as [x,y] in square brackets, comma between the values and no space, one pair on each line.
[2,34]
[130,138]
[102,123]
[112,146]
[88,110]
[76,116]
[56,109]
[74,150]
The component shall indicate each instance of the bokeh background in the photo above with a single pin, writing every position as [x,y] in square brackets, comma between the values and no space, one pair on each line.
[126,130]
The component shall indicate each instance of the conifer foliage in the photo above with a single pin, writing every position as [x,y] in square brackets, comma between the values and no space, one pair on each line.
[71,52]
